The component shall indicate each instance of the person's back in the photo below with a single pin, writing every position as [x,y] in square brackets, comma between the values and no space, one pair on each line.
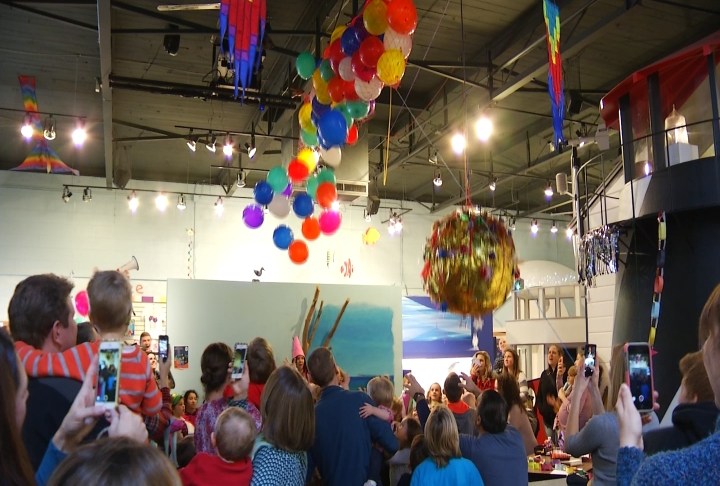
[464,415]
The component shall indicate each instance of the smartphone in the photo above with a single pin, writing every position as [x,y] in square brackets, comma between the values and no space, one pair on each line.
[590,355]
[163,345]
[476,362]
[239,360]
[639,376]
[108,377]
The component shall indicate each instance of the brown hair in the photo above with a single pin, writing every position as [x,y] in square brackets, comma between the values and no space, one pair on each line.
[572,371]
[39,301]
[125,462]
[110,300]
[618,370]
[322,368]
[709,318]
[413,428]
[508,388]
[214,366]
[234,434]
[441,436]
[418,451]
[287,409]
[261,360]
[381,390]
[695,378]
[451,387]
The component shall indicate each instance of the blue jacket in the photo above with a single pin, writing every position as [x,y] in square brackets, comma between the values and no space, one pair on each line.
[459,471]
[343,439]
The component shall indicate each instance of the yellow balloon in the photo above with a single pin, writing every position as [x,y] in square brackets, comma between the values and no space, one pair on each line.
[337,33]
[305,115]
[321,93]
[375,17]
[318,80]
[371,236]
[308,158]
[391,67]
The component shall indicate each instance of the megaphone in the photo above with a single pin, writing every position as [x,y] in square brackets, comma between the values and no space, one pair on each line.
[132,264]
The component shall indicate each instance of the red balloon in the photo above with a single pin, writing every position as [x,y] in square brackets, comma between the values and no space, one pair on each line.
[352,137]
[349,91]
[336,89]
[402,16]
[326,52]
[326,194]
[311,228]
[362,71]
[298,251]
[297,171]
[370,51]
[336,55]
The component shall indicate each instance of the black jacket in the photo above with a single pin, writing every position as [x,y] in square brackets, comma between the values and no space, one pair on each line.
[692,423]
[547,387]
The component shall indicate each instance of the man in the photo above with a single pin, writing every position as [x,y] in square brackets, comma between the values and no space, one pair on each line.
[548,388]
[343,439]
[464,415]
[145,341]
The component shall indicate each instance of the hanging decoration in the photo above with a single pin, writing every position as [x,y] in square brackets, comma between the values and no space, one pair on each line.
[470,262]
[598,253]
[556,86]
[659,278]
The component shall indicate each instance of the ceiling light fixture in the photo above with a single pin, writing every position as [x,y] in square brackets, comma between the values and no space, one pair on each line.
[569,232]
[493,183]
[553,228]
[181,202]
[438,178]
[433,159]
[87,195]
[66,194]
[483,129]
[27,128]
[549,189]
[213,140]
[161,202]
[512,224]
[49,131]
[228,147]
[219,206]
[250,147]
[367,216]
[79,135]
[133,202]
[241,179]
[395,225]
[192,141]
[458,143]
[534,228]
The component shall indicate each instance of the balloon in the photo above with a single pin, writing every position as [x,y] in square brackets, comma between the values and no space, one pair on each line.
[263,193]
[253,216]
[82,302]
[330,221]
[349,89]
[336,55]
[318,80]
[297,171]
[303,205]
[360,31]
[344,109]
[333,128]
[326,194]
[337,33]
[332,156]
[326,72]
[402,16]
[336,89]
[371,236]
[282,237]
[312,185]
[375,17]
[345,69]
[298,252]
[305,115]
[358,109]
[393,40]
[322,95]
[305,65]
[391,67]
[360,70]
[368,90]
[288,191]
[277,178]
[353,135]
[309,138]
[280,206]
[311,228]
[371,49]
[308,158]
[319,108]
[326,175]
[349,41]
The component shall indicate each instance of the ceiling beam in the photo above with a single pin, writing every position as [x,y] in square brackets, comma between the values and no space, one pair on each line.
[155,15]
[49,15]
[104,34]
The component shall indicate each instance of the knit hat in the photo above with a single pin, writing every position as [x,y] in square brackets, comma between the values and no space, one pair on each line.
[176,397]
[297,349]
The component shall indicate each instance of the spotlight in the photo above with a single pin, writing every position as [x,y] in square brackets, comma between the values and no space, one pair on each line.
[241,178]
[646,168]
[366,215]
[27,129]
[228,147]
[66,194]
[534,228]
[251,149]
[569,232]
[483,129]
[79,135]
[551,146]
[219,206]
[433,159]
[458,143]
[181,202]
[133,202]
[49,131]
[438,178]
[161,202]
[548,190]
[87,195]
[553,228]
[395,225]
[211,146]
[512,224]
[493,183]
[192,141]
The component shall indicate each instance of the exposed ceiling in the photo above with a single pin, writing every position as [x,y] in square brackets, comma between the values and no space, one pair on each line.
[467,56]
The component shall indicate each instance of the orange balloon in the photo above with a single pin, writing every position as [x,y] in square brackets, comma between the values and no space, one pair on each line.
[326,194]
[311,228]
[298,252]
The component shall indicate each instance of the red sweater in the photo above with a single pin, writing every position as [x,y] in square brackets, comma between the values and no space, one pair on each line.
[206,469]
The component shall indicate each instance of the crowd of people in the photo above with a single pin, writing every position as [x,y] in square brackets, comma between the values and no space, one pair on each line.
[299,424]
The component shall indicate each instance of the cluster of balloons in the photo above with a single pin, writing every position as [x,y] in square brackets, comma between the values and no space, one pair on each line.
[274,193]
[362,57]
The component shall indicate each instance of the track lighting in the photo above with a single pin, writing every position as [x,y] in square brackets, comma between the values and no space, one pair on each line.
[534,228]
[367,216]
[87,195]
[181,202]
[219,206]
[553,228]
[213,140]
[228,147]
[241,178]
[512,224]
[192,141]
[438,178]
[493,183]
[458,143]
[49,131]
[66,194]
[483,128]
[27,128]
[161,202]
[133,202]
[549,189]
[569,232]
[433,159]
[250,147]
[395,225]
[79,135]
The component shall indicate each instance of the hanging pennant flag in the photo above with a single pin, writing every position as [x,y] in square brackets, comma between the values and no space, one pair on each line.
[556,86]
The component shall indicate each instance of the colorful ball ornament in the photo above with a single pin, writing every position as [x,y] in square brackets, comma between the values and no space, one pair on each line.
[391,67]
[470,262]
[298,252]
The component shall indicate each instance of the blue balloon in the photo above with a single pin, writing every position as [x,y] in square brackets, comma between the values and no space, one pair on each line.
[333,128]
[349,41]
[303,205]
[263,193]
[282,237]
[318,108]
[315,118]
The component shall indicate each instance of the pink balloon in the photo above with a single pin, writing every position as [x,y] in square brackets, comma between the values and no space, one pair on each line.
[330,221]
[82,303]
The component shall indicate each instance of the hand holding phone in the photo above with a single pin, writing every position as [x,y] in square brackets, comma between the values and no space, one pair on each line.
[108,377]
[163,346]
[238,364]
[590,357]
[639,375]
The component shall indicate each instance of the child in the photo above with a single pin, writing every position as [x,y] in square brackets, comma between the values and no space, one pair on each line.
[110,311]
[261,363]
[233,439]
[381,390]
[418,453]
[565,390]
[434,396]
[399,464]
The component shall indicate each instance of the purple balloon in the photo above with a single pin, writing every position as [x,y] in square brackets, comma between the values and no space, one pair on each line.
[288,190]
[318,108]
[253,216]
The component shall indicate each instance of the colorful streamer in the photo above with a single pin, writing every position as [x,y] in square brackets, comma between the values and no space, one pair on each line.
[243,21]
[556,86]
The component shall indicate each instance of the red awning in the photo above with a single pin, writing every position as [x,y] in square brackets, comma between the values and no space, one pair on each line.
[680,75]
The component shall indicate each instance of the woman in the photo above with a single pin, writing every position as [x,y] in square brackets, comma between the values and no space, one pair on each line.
[288,432]
[509,390]
[696,464]
[511,367]
[434,396]
[191,406]
[481,372]
[445,466]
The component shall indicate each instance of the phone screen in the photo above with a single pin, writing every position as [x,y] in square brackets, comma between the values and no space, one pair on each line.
[590,356]
[108,375]
[239,360]
[640,375]
[163,347]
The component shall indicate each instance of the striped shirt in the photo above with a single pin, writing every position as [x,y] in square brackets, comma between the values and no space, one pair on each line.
[138,390]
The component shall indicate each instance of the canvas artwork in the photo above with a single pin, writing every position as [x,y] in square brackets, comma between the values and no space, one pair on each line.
[181,360]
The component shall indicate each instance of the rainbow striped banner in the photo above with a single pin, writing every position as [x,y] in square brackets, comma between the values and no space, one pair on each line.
[556,86]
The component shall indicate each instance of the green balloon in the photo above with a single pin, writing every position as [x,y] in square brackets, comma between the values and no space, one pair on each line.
[305,64]
[309,138]
[278,178]
[358,109]
[326,71]
[345,110]
[326,175]
[312,185]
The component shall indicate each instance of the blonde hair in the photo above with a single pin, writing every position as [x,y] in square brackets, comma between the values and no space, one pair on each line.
[572,371]
[618,370]
[488,364]
[381,390]
[234,434]
[110,298]
[441,436]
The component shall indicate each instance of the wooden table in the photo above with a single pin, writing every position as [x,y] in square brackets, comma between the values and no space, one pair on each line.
[537,475]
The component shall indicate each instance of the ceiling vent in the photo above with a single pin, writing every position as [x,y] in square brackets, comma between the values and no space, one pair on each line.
[347,190]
